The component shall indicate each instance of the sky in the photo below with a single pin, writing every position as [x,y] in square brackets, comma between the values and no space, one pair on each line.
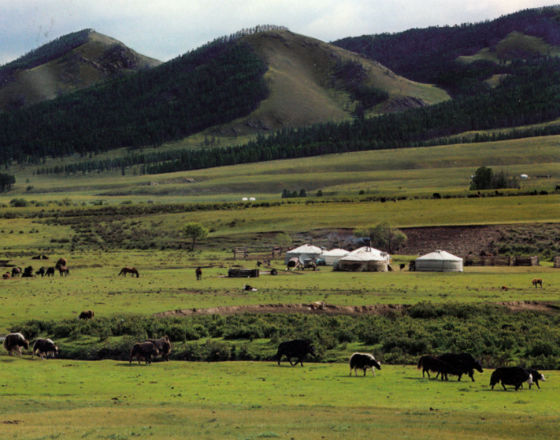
[164,29]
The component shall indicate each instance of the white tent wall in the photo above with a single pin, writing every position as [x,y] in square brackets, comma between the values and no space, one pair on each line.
[439,261]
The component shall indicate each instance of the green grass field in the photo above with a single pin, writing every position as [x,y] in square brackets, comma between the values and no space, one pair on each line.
[250,400]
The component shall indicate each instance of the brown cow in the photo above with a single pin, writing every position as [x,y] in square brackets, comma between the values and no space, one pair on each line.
[537,282]
[44,348]
[86,314]
[143,351]
[163,345]
[15,342]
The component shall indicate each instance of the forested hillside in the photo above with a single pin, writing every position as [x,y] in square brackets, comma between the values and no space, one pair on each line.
[430,54]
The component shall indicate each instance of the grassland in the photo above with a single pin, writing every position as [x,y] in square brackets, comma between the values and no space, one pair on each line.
[249,400]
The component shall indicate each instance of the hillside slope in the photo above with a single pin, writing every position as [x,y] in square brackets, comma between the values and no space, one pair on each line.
[73,62]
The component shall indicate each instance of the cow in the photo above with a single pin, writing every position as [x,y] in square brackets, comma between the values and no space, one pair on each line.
[143,351]
[14,343]
[63,270]
[537,282]
[41,271]
[297,348]
[462,363]
[536,375]
[163,345]
[511,376]
[16,271]
[50,272]
[6,276]
[363,361]
[44,348]
[198,273]
[86,314]
[435,365]
[27,272]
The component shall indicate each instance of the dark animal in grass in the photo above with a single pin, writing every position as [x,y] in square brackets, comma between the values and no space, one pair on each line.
[41,271]
[363,361]
[198,273]
[27,272]
[163,345]
[131,270]
[63,270]
[50,271]
[15,342]
[248,288]
[45,348]
[435,365]
[537,282]
[298,348]
[536,375]
[16,271]
[143,351]
[61,262]
[461,363]
[86,314]
[7,276]
[511,376]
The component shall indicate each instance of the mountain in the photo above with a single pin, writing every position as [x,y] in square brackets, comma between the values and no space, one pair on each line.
[67,64]
[252,82]
[462,59]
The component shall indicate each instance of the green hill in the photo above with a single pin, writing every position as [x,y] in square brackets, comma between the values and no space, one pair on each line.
[70,63]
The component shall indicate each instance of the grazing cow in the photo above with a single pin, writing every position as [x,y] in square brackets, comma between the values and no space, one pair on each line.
[163,345]
[63,270]
[511,376]
[16,271]
[45,348]
[15,342]
[536,375]
[435,365]
[363,361]
[61,262]
[143,351]
[86,314]
[50,272]
[131,270]
[297,348]
[537,282]
[462,363]
[27,272]
[41,272]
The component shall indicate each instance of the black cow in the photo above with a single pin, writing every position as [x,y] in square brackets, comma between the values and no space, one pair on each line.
[435,365]
[536,375]
[16,271]
[14,342]
[50,272]
[27,272]
[462,363]
[86,314]
[511,376]
[297,348]
[143,351]
[163,345]
[44,348]
[363,361]
[41,271]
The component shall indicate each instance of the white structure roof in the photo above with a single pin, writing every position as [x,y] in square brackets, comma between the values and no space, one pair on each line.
[366,253]
[439,256]
[306,249]
[335,253]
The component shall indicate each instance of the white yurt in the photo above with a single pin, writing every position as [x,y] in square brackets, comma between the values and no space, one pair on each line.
[364,259]
[332,256]
[304,252]
[439,261]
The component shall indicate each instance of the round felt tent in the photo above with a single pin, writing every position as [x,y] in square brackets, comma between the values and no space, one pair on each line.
[332,256]
[364,259]
[304,252]
[439,261]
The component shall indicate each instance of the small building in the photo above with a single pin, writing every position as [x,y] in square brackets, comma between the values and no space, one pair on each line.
[304,252]
[439,261]
[332,256]
[364,259]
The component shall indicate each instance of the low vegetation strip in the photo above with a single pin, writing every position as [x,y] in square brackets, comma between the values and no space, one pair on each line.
[396,334]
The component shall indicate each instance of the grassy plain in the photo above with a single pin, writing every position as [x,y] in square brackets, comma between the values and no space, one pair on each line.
[250,400]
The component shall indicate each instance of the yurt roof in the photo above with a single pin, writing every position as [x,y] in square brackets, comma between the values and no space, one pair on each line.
[439,256]
[306,249]
[366,254]
[335,252]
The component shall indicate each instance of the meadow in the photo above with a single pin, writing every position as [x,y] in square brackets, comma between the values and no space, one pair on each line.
[251,400]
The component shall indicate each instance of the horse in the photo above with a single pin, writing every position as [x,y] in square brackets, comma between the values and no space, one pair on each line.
[131,270]
[537,282]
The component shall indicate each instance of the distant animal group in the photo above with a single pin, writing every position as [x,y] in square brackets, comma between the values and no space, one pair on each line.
[61,265]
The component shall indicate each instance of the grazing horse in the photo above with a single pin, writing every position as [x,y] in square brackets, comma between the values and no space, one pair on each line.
[131,270]
[537,282]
